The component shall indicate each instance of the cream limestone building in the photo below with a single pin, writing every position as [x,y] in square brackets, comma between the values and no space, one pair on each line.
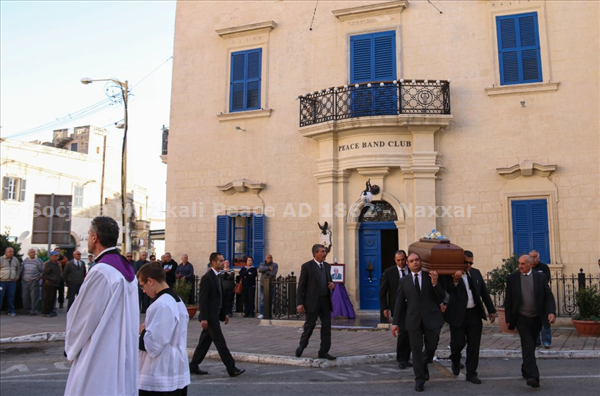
[480,122]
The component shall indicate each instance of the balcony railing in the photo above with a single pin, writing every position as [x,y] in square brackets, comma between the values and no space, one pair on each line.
[375,99]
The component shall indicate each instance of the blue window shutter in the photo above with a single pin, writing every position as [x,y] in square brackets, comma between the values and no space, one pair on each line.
[361,59]
[258,239]
[539,231]
[373,57]
[384,61]
[245,80]
[530,228]
[5,187]
[519,49]
[223,240]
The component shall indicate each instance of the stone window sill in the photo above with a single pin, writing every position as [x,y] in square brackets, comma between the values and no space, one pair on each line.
[241,115]
[522,88]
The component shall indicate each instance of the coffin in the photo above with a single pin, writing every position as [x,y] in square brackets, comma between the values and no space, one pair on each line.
[439,255]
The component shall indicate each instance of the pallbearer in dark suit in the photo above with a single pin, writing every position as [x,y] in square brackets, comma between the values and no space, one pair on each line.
[529,304]
[464,313]
[212,310]
[418,302]
[387,299]
[314,298]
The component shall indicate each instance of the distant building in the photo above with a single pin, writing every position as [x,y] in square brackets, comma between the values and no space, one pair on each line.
[481,122]
[79,164]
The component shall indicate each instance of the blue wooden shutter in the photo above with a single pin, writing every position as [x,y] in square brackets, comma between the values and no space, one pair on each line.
[530,228]
[258,239]
[245,80]
[223,240]
[238,80]
[519,49]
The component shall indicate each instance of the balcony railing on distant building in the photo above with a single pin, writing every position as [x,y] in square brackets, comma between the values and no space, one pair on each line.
[165,140]
[421,97]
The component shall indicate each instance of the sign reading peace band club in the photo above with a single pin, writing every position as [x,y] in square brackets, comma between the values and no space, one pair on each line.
[374,144]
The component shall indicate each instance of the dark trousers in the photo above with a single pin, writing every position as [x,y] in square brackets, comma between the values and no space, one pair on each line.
[228,300]
[72,292]
[49,299]
[529,332]
[177,392]
[212,334]
[322,312]
[421,359]
[402,347]
[61,292]
[469,334]
[249,293]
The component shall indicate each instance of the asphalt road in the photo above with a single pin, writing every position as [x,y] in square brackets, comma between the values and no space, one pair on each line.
[41,369]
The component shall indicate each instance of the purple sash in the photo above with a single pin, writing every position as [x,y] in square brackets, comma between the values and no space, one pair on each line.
[119,263]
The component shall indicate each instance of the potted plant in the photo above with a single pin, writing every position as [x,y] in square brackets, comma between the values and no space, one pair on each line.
[183,290]
[496,285]
[587,322]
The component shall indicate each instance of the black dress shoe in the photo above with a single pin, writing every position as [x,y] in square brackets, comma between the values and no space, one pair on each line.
[462,366]
[474,379]
[402,365]
[455,369]
[419,386]
[236,371]
[325,355]
[533,382]
[197,371]
[299,351]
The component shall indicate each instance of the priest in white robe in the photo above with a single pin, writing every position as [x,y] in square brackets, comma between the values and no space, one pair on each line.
[103,323]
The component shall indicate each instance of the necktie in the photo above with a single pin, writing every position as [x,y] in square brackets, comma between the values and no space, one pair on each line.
[321,265]
[417,284]
[470,280]
[401,273]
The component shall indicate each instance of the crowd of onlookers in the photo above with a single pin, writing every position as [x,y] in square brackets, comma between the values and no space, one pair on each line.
[43,282]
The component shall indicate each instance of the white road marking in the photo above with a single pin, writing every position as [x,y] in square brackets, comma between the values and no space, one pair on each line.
[20,367]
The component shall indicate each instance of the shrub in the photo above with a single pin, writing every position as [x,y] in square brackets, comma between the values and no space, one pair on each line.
[588,301]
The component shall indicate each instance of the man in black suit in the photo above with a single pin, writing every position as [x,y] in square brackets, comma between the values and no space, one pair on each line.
[387,299]
[537,265]
[212,310]
[418,302]
[464,313]
[529,304]
[314,298]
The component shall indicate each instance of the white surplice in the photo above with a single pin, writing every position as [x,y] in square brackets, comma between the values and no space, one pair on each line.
[102,336]
[164,364]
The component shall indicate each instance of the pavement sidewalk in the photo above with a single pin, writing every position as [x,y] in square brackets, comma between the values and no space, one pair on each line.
[353,341]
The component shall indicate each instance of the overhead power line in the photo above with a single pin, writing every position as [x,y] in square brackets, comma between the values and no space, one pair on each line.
[79,114]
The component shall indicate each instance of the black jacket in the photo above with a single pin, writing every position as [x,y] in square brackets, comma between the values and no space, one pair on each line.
[389,288]
[308,285]
[416,309]
[457,304]
[211,298]
[544,299]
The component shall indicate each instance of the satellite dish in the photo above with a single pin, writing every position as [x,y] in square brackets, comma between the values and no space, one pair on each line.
[23,235]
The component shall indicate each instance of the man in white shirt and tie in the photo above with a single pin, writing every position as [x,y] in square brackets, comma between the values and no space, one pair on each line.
[73,274]
[387,299]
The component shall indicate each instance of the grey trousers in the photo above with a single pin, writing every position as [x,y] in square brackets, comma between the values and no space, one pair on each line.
[31,296]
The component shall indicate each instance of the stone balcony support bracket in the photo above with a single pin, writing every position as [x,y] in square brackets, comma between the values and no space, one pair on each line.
[242,186]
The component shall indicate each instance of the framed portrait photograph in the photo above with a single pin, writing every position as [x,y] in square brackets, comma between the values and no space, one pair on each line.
[338,273]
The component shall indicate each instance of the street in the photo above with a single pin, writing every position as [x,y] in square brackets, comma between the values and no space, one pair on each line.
[40,369]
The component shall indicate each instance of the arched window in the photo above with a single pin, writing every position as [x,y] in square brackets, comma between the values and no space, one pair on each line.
[377,211]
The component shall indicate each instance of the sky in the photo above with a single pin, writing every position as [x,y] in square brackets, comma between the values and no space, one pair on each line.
[48,46]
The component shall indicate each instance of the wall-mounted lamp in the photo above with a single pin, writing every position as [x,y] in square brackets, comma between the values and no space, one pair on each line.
[237,128]
[367,195]
[522,103]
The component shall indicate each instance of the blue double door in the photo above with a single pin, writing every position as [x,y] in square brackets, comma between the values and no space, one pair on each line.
[378,242]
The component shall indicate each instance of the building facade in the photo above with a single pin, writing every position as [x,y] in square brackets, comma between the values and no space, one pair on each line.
[79,164]
[480,122]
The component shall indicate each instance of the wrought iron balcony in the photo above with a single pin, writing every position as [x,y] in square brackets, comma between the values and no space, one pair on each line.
[375,99]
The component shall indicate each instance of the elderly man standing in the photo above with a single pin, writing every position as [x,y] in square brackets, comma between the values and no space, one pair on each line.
[51,277]
[103,324]
[529,304]
[268,270]
[10,268]
[185,270]
[30,276]
[73,274]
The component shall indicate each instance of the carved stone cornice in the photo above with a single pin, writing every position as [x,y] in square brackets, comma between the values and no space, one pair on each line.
[370,9]
[241,186]
[526,169]
[252,28]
